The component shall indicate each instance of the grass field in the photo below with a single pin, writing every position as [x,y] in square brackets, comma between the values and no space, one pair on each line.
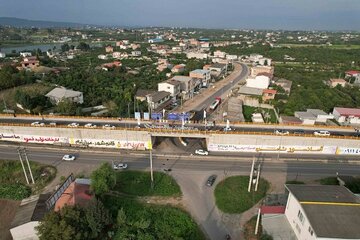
[248,111]
[138,183]
[232,194]
[8,96]
[13,183]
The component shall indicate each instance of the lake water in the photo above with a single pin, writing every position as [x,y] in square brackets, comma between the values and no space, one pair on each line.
[42,47]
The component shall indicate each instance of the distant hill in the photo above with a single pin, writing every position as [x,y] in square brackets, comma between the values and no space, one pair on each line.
[25,23]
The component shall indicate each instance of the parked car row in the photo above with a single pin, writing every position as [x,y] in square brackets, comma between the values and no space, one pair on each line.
[300,131]
[41,124]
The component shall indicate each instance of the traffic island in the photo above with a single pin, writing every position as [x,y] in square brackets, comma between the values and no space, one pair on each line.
[232,196]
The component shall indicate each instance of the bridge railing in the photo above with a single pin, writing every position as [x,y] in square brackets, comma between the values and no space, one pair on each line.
[166,131]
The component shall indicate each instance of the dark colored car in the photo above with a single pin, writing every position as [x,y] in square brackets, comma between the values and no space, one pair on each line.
[211,180]
[299,131]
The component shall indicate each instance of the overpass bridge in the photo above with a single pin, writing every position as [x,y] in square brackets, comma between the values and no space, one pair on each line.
[138,138]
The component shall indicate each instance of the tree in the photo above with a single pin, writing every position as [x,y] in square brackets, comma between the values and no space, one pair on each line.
[103,179]
[65,47]
[66,107]
[83,46]
[75,222]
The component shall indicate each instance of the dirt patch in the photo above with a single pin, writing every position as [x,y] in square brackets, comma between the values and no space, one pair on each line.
[7,213]
[173,201]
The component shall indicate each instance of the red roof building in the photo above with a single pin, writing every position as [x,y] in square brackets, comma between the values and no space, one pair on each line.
[268,94]
[346,112]
[352,73]
[78,193]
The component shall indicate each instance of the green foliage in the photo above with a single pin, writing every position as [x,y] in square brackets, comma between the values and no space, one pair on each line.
[11,77]
[13,183]
[248,111]
[354,186]
[75,223]
[14,191]
[66,107]
[329,181]
[138,183]
[103,179]
[232,194]
[136,221]
[34,103]
[83,46]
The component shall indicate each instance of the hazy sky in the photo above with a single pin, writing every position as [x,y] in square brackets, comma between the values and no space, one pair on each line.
[260,14]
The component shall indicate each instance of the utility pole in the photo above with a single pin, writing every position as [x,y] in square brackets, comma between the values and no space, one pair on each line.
[23,156]
[251,174]
[151,163]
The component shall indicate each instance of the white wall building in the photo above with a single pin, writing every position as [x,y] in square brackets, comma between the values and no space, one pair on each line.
[197,55]
[323,212]
[2,55]
[260,81]
[171,86]
[25,54]
[347,115]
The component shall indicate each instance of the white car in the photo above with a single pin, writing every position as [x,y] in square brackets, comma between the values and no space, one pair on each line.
[73,125]
[119,166]
[38,124]
[322,133]
[68,157]
[90,125]
[201,152]
[108,126]
[227,129]
[281,132]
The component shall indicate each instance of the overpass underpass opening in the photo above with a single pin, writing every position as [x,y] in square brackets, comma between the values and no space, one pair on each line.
[178,144]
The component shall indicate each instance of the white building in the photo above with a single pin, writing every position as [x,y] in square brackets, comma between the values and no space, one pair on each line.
[136,53]
[323,212]
[25,54]
[311,116]
[219,54]
[172,86]
[116,55]
[202,74]
[2,55]
[197,55]
[261,82]
[102,57]
[60,93]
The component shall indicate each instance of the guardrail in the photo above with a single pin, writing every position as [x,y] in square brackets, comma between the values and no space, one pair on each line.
[89,118]
[181,131]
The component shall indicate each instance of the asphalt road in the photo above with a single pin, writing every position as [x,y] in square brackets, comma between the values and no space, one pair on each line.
[321,165]
[223,89]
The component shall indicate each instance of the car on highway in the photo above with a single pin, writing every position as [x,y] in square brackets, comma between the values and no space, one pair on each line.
[211,180]
[119,166]
[201,152]
[68,157]
[73,125]
[90,125]
[38,124]
[299,131]
[322,133]
[108,126]
[281,132]
[226,129]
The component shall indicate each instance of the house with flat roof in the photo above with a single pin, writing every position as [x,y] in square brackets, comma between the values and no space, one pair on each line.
[158,100]
[347,115]
[30,212]
[312,116]
[172,86]
[333,82]
[285,84]
[202,74]
[188,85]
[60,94]
[317,212]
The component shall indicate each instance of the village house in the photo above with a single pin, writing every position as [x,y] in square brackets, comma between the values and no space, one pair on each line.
[30,62]
[268,94]
[285,84]
[202,74]
[260,81]
[2,55]
[136,53]
[188,85]
[109,49]
[102,57]
[333,82]
[178,68]
[218,69]
[219,54]
[141,94]
[158,100]
[197,55]
[25,54]
[107,66]
[352,73]
[254,71]
[60,93]
[347,116]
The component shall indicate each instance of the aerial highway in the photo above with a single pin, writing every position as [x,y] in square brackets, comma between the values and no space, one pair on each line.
[296,164]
